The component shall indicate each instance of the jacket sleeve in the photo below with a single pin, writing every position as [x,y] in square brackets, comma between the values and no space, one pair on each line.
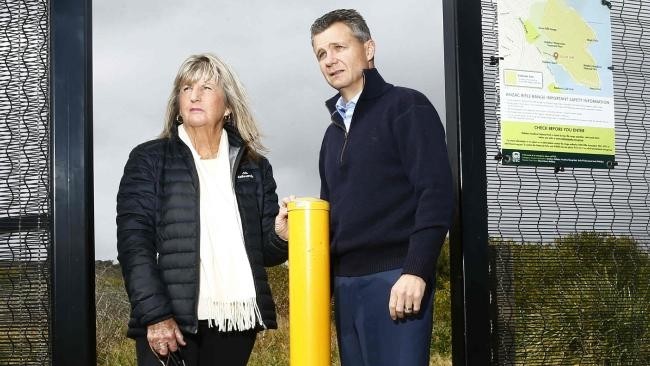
[274,248]
[136,248]
[423,153]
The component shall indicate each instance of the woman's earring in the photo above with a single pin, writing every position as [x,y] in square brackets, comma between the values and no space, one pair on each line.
[179,119]
[228,118]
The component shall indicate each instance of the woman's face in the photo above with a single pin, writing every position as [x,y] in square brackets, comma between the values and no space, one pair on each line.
[202,104]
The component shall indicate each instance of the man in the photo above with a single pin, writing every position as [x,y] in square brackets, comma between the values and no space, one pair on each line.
[385,171]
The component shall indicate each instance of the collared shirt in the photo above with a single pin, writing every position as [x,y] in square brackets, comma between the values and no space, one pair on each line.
[346,110]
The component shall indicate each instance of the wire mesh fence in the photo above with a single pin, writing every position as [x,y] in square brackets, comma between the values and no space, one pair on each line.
[24,184]
[570,250]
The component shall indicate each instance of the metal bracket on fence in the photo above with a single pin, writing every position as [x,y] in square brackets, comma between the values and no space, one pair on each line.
[558,169]
[498,156]
[494,60]
[608,4]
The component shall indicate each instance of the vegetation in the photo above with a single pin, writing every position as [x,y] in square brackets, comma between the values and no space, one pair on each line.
[582,300]
[112,308]
[24,311]
[585,299]
[272,347]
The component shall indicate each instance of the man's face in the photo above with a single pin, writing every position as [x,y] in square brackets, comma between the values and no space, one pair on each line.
[342,58]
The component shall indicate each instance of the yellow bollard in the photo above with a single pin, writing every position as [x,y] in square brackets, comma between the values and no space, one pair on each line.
[309,282]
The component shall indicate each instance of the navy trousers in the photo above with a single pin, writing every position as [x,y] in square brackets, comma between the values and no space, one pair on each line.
[367,336]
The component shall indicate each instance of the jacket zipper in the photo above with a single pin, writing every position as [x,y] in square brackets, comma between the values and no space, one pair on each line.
[238,158]
[233,173]
[345,139]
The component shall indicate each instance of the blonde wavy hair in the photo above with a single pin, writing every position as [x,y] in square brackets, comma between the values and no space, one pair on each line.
[207,66]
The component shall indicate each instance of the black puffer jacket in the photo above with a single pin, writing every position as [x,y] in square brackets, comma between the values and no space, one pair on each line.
[158,230]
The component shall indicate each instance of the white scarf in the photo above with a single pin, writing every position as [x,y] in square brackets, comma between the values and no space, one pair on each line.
[226,287]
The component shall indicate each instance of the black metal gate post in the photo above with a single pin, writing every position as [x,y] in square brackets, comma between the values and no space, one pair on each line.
[466,142]
[73,308]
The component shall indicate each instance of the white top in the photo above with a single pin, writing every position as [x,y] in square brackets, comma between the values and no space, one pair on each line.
[226,287]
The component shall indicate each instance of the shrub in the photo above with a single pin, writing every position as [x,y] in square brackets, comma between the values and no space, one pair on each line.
[584,299]
[112,315]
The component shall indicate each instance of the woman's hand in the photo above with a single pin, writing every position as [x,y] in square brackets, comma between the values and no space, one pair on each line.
[282,220]
[164,337]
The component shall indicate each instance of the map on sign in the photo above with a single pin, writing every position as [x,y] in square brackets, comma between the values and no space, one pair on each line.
[556,83]
[561,46]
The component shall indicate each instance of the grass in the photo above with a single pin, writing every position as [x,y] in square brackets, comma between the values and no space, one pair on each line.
[24,312]
[584,299]
[272,347]
[112,308]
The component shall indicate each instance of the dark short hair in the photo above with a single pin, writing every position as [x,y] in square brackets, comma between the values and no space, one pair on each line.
[349,17]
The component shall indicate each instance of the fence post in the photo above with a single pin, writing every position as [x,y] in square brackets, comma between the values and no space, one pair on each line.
[73,275]
[466,143]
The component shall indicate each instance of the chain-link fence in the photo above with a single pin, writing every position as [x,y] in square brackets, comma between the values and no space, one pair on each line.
[570,250]
[24,184]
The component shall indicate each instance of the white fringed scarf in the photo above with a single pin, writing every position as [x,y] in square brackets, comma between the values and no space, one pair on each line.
[226,288]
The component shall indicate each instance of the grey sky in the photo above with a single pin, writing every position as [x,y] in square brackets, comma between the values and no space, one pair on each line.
[139,45]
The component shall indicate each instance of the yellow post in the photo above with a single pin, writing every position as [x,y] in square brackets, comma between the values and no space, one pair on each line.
[309,282]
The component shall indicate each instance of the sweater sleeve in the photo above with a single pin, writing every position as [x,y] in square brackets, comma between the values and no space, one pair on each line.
[420,140]
[324,189]
[136,204]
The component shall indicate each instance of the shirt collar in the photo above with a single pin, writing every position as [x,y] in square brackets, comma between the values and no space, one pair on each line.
[342,106]
[373,87]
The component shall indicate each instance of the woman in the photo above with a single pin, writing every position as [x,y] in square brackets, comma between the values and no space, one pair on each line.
[197,222]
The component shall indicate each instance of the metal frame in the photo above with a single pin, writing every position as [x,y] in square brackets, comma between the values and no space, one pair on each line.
[23,223]
[466,144]
[73,308]
[72,253]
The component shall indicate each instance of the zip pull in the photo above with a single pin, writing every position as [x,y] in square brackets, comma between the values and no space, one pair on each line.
[345,144]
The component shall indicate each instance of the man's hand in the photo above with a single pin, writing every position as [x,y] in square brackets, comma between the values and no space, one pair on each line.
[282,220]
[164,337]
[406,296]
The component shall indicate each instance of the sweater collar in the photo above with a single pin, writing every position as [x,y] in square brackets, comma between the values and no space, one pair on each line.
[373,87]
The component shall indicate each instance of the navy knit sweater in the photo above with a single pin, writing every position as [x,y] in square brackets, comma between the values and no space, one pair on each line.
[388,182]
